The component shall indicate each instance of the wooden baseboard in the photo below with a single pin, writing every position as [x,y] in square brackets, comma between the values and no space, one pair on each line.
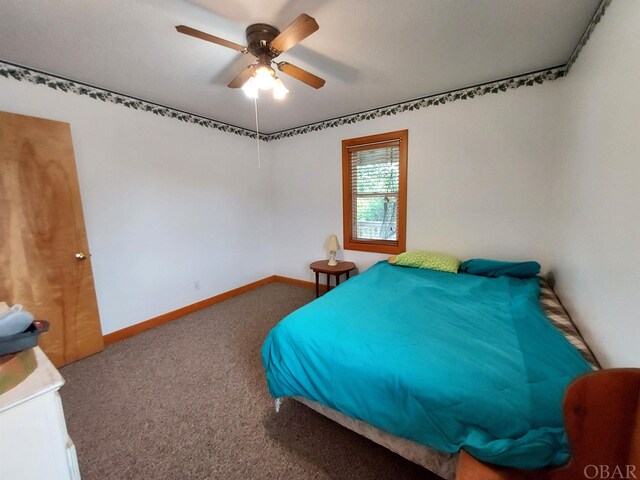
[293,281]
[119,335]
[302,283]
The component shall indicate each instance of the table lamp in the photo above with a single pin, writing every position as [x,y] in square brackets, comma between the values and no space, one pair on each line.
[333,246]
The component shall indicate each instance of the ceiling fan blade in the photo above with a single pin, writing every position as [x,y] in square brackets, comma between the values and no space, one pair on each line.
[210,38]
[298,30]
[302,75]
[242,77]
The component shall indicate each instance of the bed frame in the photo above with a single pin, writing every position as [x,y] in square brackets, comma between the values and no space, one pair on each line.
[602,419]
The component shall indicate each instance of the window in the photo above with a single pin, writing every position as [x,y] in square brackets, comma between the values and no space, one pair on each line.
[374,185]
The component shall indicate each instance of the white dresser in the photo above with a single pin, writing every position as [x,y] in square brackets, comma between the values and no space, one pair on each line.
[34,443]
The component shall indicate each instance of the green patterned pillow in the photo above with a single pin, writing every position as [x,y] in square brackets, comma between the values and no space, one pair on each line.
[431,260]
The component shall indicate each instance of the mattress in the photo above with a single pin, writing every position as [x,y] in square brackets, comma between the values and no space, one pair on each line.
[445,464]
[560,319]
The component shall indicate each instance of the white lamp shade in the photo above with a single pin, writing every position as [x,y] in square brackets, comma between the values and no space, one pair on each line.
[250,88]
[264,78]
[332,243]
[279,90]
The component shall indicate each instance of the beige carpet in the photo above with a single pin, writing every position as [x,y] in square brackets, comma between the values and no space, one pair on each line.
[188,400]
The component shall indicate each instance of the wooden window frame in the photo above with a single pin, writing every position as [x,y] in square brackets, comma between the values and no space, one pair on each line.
[378,246]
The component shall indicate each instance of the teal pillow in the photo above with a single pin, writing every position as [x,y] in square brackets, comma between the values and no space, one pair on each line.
[496,268]
[430,260]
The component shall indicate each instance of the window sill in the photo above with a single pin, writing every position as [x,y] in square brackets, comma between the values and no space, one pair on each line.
[374,247]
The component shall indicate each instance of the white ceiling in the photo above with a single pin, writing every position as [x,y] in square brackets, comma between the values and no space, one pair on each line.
[371,52]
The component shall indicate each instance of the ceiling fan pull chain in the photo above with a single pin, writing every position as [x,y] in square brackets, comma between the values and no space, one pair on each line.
[255,100]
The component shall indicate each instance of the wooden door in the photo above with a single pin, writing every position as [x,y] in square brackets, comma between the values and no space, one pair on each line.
[41,231]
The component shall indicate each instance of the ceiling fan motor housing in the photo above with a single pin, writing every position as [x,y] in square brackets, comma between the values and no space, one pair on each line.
[259,37]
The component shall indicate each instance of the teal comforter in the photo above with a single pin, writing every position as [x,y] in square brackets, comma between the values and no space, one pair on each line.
[449,361]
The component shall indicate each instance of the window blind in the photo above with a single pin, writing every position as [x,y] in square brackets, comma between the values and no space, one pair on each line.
[375,185]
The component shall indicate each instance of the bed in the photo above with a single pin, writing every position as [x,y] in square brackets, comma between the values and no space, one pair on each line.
[426,363]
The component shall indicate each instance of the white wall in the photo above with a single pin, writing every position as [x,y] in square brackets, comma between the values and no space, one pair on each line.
[166,203]
[478,173]
[596,245]
[550,173]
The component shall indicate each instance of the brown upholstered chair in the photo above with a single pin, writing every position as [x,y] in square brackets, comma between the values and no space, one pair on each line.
[602,419]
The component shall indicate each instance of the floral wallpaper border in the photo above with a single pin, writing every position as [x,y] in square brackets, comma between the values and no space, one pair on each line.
[25,74]
[587,33]
[431,100]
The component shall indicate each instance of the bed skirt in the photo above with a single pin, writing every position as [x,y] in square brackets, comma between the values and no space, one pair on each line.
[440,463]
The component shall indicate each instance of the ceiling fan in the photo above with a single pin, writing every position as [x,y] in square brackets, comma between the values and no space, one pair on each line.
[266,42]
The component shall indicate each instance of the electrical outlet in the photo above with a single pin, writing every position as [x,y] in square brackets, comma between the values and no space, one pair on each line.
[196,285]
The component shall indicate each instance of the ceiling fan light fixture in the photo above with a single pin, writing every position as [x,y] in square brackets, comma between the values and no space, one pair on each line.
[279,90]
[264,77]
[250,88]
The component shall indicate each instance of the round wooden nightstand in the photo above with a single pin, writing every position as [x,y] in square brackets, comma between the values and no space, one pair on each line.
[322,266]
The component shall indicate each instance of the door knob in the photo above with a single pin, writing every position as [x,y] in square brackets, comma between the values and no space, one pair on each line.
[81,256]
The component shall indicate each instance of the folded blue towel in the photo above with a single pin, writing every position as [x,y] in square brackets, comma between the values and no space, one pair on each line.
[14,321]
